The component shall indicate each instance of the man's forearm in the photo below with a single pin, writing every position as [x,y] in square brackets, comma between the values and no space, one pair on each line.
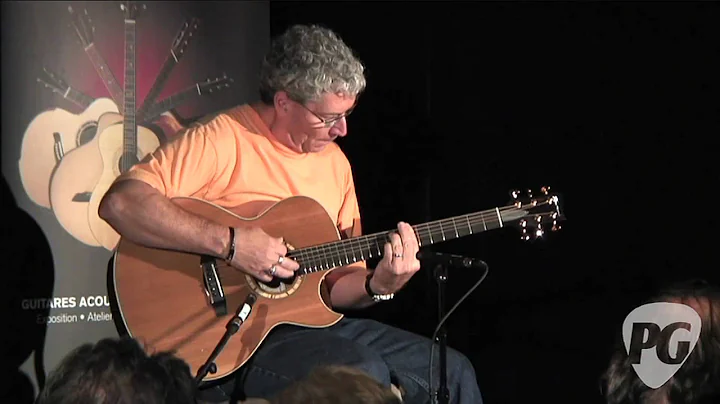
[348,288]
[144,216]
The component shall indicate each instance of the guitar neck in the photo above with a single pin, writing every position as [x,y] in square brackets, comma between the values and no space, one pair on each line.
[345,252]
[108,78]
[158,85]
[78,98]
[171,102]
[129,124]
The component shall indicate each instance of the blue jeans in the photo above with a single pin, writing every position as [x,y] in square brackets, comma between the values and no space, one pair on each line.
[290,352]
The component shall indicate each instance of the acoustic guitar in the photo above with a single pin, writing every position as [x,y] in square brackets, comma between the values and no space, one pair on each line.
[53,133]
[181,302]
[121,145]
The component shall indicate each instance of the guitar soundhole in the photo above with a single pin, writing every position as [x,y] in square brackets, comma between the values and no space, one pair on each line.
[127,160]
[280,283]
[277,288]
[87,133]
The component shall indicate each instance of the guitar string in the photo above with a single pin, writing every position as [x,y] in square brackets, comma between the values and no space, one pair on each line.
[320,257]
[313,259]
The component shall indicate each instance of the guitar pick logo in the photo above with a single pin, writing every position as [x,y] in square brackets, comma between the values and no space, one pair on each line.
[658,338]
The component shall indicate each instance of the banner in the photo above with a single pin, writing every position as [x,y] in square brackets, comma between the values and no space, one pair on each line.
[74,74]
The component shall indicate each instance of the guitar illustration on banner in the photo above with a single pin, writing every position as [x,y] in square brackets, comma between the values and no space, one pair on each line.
[204,292]
[53,133]
[121,145]
[85,31]
[162,116]
[67,166]
[177,50]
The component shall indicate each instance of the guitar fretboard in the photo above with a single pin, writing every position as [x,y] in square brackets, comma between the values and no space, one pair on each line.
[108,78]
[345,252]
[129,125]
[170,102]
[79,98]
[157,87]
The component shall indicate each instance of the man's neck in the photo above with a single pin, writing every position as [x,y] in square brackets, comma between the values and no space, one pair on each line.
[268,116]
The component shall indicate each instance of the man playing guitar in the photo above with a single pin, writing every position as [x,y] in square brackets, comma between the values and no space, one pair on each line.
[260,153]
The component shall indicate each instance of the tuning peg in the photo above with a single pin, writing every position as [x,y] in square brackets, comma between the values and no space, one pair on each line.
[545,190]
[515,193]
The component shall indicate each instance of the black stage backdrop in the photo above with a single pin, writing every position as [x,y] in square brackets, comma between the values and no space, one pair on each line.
[614,105]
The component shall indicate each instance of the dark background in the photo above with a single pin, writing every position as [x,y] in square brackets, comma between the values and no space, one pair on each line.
[614,105]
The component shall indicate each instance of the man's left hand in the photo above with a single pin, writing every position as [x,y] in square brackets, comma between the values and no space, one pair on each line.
[399,261]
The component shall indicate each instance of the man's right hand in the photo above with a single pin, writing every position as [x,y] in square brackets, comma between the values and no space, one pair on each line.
[256,253]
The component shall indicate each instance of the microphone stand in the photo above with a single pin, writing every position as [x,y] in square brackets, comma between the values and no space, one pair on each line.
[441,263]
[231,328]
[442,395]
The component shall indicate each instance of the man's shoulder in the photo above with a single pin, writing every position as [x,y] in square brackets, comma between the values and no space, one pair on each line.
[218,120]
[335,153]
[221,125]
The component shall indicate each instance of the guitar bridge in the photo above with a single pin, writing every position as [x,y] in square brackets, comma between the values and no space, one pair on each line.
[213,287]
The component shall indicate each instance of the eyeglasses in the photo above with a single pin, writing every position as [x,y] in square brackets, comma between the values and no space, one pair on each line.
[327,122]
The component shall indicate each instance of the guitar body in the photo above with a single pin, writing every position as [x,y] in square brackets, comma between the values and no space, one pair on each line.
[38,151]
[161,296]
[74,180]
[110,143]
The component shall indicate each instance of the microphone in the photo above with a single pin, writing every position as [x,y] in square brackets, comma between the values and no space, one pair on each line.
[241,314]
[232,327]
[450,260]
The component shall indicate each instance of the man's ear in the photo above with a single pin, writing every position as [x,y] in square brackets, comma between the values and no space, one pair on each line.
[281,101]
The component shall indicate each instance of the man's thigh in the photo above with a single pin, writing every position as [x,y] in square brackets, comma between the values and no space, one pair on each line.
[289,353]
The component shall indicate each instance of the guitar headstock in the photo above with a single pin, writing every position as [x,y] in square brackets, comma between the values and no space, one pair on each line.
[54,82]
[181,41]
[216,84]
[131,9]
[83,26]
[543,212]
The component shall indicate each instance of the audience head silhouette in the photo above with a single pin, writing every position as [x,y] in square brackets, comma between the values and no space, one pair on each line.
[337,384]
[118,371]
[693,382]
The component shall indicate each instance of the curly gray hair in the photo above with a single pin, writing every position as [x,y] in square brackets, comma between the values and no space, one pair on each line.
[307,61]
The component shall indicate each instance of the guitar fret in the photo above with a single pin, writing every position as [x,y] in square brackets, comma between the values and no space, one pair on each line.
[347,251]
[107,76]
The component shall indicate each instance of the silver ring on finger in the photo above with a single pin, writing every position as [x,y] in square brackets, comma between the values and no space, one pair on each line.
[272,270]
[280,260]
[397,255]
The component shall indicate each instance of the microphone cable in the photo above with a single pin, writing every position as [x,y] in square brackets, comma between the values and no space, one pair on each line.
[433,393]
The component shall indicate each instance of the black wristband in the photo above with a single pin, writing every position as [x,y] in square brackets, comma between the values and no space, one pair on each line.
[367,285]
[376,297]
[231,252]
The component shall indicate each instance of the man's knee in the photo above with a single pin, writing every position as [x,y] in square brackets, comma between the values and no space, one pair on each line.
[460,365]
[373,365]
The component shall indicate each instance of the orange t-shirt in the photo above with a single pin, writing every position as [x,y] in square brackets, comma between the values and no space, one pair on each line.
[233,159]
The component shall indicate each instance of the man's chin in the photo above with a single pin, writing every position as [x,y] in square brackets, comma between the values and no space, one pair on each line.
[318,146]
